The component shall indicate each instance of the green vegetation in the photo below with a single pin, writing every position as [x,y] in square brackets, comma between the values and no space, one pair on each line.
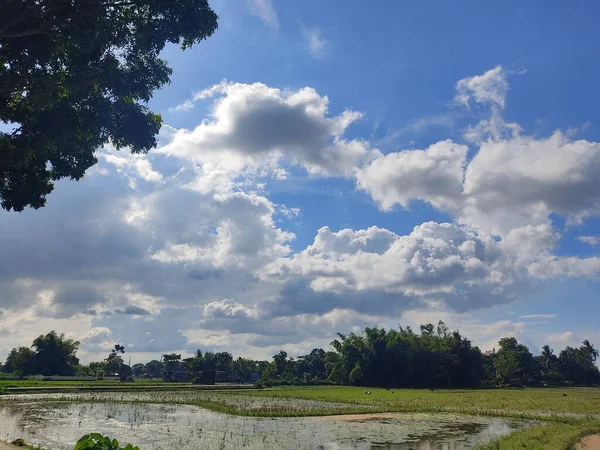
[389,362]
[433,358]
[52,354]
[565,414]
[529,402]
[21,443]
[77,75]
[554,436]
[96,441]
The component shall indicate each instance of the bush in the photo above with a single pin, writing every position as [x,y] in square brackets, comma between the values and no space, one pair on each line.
[96,441]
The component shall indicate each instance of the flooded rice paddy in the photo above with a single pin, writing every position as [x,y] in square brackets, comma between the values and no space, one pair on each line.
[57,425]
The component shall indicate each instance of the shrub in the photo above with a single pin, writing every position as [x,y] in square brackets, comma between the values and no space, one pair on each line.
[96,441]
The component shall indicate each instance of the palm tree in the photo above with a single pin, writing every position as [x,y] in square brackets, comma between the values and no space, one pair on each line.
[591,350]
[548,357]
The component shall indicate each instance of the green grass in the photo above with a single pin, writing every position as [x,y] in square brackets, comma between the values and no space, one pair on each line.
[554,436]
[527,401]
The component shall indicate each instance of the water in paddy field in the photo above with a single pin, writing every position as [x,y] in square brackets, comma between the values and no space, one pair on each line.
[57,426]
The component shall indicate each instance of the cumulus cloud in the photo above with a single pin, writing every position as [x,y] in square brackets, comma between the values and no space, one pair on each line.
[488,88]
[565,266]
[443,260]
[254,126]
[522,180]
[511,186]
[434,175]
[184,247]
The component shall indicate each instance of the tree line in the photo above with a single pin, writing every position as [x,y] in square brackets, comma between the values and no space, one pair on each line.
[433,357]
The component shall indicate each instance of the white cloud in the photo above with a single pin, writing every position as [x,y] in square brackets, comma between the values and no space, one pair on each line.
[590,240]
[201,95]
[521,181]
[434,175]
[263,9]
[135,165]
[488,88]
[511,186]
[561,338]
[538,316]
[317,46]
[435,260]
[254,126]
[565,266]
[183,247]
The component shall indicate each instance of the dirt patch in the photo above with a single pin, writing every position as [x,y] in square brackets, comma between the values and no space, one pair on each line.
[590,443]
[7,446]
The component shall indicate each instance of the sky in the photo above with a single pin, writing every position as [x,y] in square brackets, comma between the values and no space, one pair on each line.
[327,166]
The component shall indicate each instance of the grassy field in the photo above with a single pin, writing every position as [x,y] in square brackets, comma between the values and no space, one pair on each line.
[553,436]
[529,402]
[567,414]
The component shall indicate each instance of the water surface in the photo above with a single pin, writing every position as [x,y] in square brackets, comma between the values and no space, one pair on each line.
[58,425]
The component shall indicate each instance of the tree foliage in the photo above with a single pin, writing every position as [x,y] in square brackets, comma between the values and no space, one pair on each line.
[77,74]
[55,355]
[433,357]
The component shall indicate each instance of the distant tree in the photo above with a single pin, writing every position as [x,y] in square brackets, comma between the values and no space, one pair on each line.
[75,75]
[356,374]
[97,368]
[171,361]
[577,365]
[55,355]
[153,369]
[138,370]
[280,362]
[589,348]
[20,361]
[223,361]
[114,361]
[514,362]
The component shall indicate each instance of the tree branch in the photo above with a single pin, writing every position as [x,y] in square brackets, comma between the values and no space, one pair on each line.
[21,34]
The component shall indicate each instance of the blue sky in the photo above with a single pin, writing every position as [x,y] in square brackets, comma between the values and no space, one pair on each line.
[326,166]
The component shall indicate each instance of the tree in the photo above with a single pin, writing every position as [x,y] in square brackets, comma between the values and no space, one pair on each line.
[591,351]
[171,361]
[153,369]
[114,362]
[513,362]
[138,370]
[75,75]
[20,361]
[98,368]
[55,355]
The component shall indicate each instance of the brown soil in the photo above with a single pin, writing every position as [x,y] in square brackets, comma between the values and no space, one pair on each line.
[590,443]
[7,446]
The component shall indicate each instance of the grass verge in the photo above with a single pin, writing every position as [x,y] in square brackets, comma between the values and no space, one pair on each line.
[554,436]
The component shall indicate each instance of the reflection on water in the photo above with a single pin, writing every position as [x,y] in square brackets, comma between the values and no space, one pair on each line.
[59,425]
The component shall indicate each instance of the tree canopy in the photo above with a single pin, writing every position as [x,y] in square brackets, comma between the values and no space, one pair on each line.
[75,75]
[433,357]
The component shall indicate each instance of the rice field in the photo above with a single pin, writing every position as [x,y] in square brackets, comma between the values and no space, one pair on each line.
[311,417]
